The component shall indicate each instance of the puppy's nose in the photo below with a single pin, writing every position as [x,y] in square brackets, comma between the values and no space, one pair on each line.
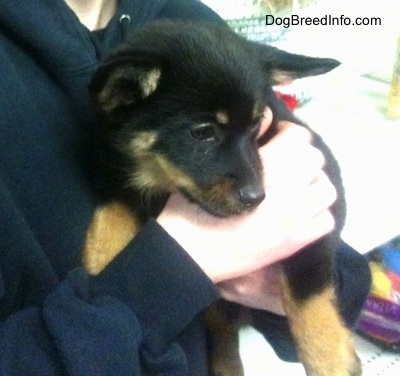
[251,196]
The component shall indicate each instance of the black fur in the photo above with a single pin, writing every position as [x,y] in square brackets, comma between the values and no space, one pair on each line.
[171,79]
[204,69]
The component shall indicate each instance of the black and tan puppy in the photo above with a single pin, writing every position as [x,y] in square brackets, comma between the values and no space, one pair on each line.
[181,105]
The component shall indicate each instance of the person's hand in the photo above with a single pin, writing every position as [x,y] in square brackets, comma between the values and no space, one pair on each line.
[294,213]
[260,289]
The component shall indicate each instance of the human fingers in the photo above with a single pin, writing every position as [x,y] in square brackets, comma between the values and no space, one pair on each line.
[260,289]
[306,215]
[320,195]
[296,131]
[320,225]
[227,248]
[290,159]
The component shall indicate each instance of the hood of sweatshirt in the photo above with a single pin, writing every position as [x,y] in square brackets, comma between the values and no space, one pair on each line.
[47,58]
[65,48]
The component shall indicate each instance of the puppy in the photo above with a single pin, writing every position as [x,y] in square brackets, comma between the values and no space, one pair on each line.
[180,105]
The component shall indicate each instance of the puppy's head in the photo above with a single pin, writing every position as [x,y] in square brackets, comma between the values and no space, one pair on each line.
[182,104]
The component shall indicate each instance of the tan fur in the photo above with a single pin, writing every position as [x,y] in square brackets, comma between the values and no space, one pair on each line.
[153,170]
[113,226]
[225,357]
[149,82]
[156,173]
[141,143]
[110,97]
[323,342]
[221,195]
[278,76]
[222,117]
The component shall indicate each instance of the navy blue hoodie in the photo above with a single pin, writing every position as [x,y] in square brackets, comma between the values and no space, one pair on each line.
[142,314]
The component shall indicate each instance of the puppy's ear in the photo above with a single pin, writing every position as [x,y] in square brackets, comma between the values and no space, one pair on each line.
[123,82]
[282,66]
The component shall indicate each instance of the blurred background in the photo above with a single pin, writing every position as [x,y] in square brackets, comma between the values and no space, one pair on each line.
[366,48]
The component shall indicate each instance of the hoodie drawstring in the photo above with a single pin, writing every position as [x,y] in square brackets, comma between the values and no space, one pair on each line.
[125,22]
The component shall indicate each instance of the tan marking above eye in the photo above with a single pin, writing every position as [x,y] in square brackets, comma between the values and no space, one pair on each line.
[154,172]
[222,117]
[149,81]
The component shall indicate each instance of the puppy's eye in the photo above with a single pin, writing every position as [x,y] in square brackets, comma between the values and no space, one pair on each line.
[203,132]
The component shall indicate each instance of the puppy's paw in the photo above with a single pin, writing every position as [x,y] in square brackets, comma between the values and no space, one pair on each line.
[342,361]
[227,367]
[355,368]
[324,343]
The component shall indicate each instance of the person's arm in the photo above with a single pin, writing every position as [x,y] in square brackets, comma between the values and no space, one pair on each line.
[128,316]
[118,323]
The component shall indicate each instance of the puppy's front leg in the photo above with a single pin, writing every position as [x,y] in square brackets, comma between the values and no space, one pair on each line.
[113,226]
[323,341]
[223,321]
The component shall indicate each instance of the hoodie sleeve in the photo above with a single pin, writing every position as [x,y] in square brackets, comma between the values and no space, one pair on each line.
[134,318]
[122,322]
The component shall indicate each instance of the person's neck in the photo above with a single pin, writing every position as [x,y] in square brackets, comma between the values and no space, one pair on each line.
[94,14]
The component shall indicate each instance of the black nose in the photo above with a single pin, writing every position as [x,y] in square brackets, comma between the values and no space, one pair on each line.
[251,196]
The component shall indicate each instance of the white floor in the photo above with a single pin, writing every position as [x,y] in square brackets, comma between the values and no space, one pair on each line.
[375,361]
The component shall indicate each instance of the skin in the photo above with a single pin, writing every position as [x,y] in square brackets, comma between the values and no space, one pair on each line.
[94,14]
[241,254]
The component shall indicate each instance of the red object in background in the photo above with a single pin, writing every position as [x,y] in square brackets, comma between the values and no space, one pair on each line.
[290,100]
